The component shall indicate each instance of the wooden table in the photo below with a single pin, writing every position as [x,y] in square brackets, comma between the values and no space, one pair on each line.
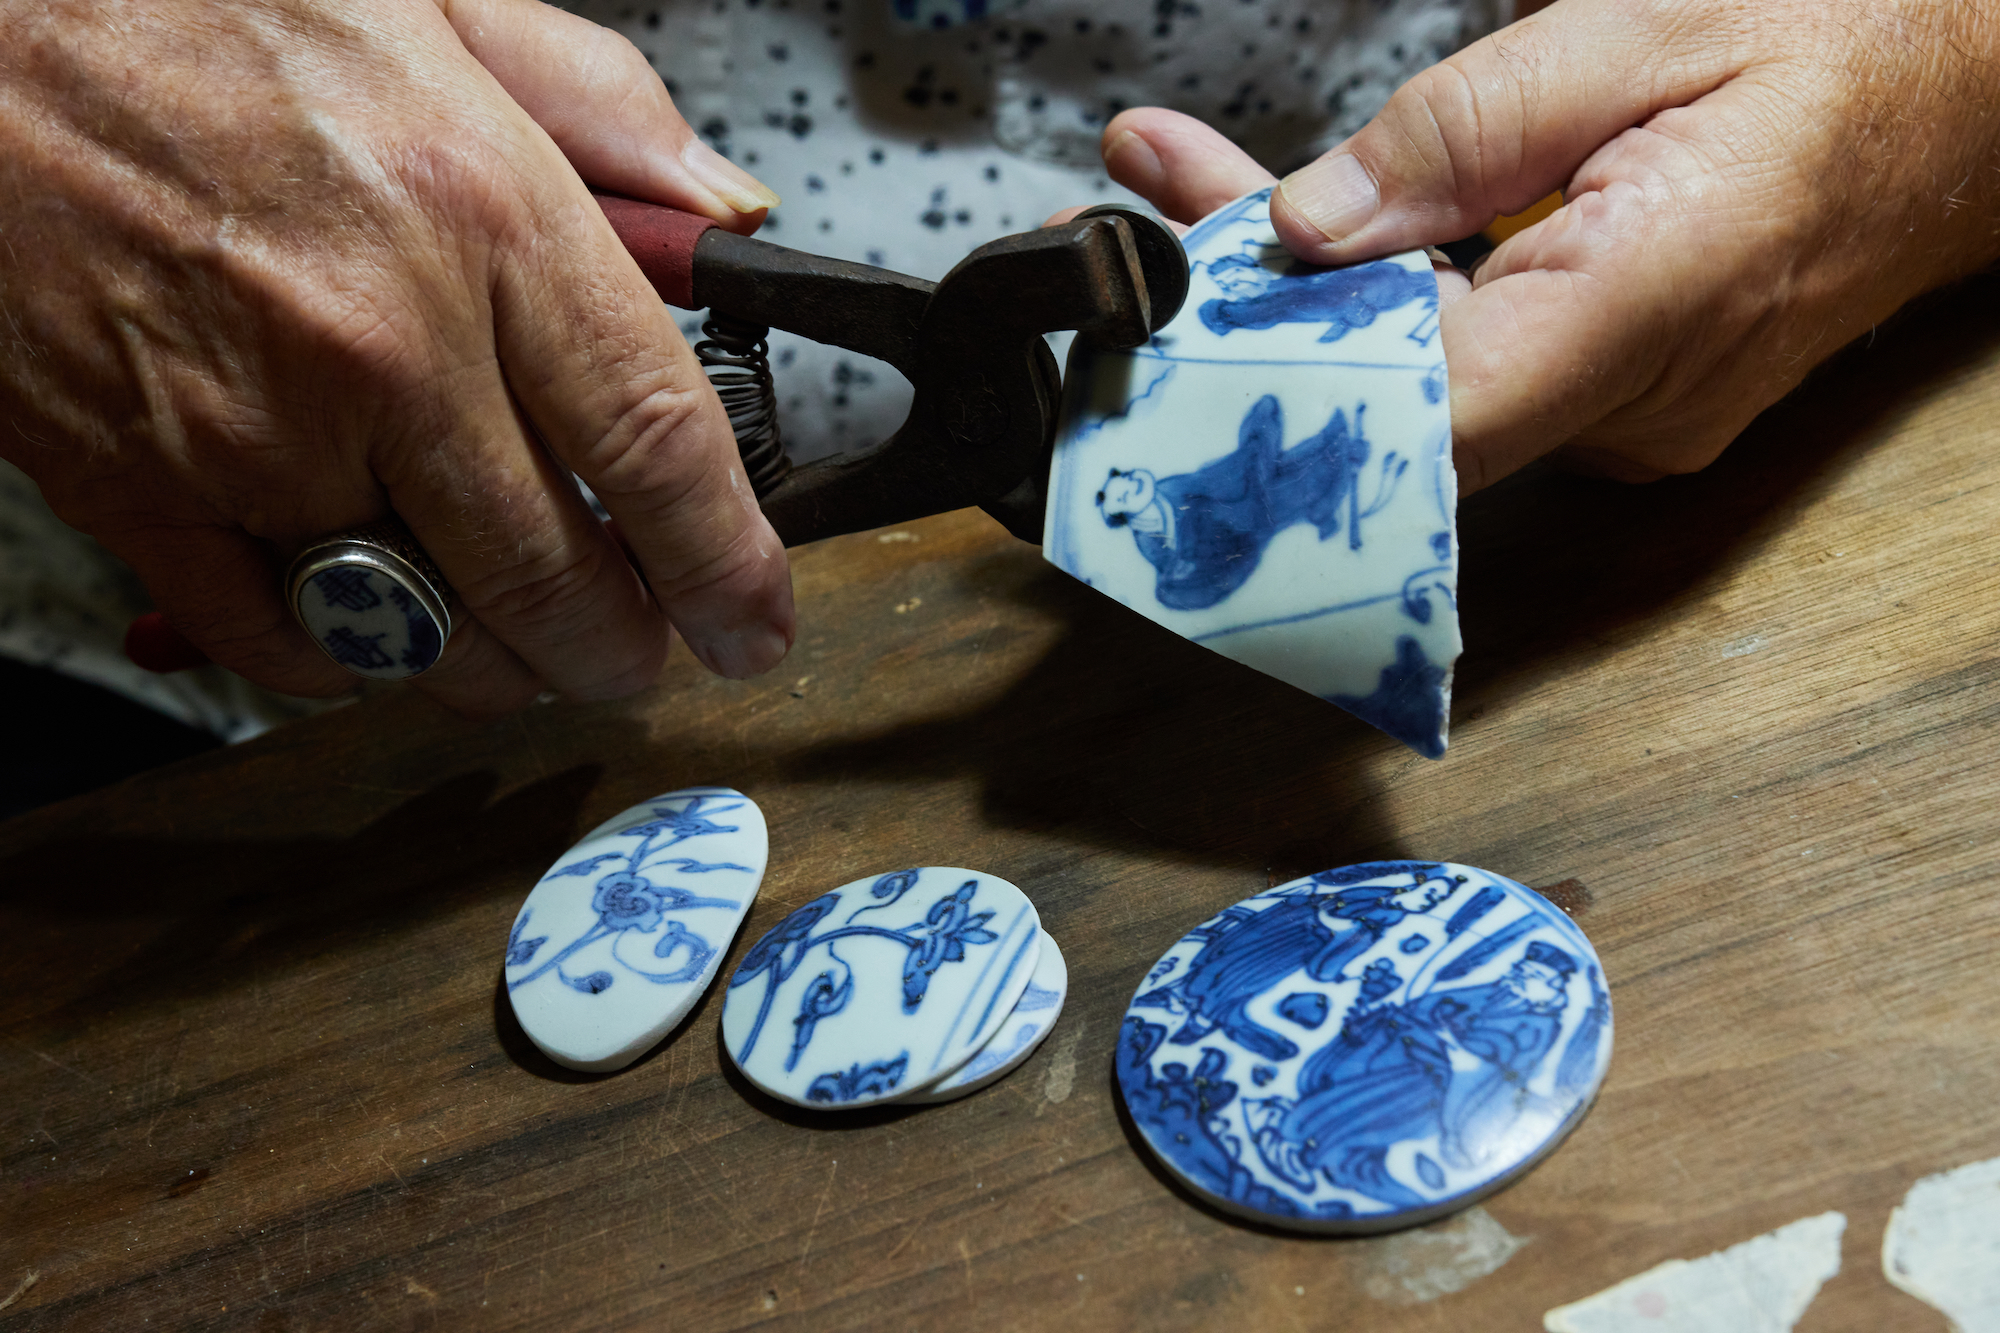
[257,1071]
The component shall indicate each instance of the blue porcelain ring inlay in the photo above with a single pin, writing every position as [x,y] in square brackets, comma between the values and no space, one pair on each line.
[1366,1048]
[373,601]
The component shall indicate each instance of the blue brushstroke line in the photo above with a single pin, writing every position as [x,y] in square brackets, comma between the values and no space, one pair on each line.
[1476,956]
[1237,212]
[1084,431]
[1315,362]
[1035,998]
[1482,902]
[1000,986]
[952,1031]
[1290,620]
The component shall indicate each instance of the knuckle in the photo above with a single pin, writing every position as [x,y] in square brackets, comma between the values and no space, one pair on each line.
[735,567]
[618,60]
[657,451]
[540,595]
[1439,118]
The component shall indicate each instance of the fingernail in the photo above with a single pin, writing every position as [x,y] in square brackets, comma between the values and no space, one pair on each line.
[1335,194]
[740,654]
[1129,158]
[737,188]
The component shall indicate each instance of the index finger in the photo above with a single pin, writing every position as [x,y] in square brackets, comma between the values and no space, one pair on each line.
[599,365]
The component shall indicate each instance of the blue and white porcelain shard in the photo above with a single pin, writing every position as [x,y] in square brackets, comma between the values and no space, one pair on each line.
[1367,1048]
[1034,1017]
[623,935]
[1271,475]
[370,624]
[881,987]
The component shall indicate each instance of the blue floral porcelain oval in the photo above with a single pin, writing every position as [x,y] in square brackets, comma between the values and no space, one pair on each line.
[881,987]
[1367,1048]
[1271,475]
[623,935]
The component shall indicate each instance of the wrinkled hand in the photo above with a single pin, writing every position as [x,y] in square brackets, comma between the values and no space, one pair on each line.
[273,268]
[1747,188]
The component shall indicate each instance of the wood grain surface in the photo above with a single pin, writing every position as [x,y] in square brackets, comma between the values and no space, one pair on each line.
[258,1073]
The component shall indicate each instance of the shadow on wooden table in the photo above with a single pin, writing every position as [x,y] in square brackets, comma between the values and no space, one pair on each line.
[1127,737]
[1557,566]
[194,916]
[1122,736]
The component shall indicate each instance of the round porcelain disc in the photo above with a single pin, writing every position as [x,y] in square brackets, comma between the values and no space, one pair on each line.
[621,937]
[1367,1048]
[1034,1017]
[881,987]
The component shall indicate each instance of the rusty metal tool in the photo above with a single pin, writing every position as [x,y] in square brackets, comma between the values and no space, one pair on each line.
[981,426]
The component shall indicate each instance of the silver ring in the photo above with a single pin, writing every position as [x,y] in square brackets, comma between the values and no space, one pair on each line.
[373,601]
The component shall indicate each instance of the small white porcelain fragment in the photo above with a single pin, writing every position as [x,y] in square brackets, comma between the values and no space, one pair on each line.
[881,987]
[1367,1048]
[623,935]
[1034,1017]
[1271,475]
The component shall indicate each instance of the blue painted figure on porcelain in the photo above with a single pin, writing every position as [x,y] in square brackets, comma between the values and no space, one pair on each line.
[1440,1028]
[1256,296]
[1205,531]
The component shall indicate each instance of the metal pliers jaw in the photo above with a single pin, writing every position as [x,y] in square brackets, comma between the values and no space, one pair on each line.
[982,424]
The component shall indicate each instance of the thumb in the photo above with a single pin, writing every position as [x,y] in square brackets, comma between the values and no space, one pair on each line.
[593,93]
[1496,127]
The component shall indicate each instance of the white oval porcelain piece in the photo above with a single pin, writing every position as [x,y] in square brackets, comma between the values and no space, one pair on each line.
[1271,475]
[623,935]
[881,987]
[1034,1017]
[1367,1048]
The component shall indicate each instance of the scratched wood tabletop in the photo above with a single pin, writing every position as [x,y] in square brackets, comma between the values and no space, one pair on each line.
[258,1073]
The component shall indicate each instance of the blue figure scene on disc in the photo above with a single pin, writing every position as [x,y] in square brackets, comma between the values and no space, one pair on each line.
[882,987]
[1271,475]
[370,624]
[1366,1048]
[624,933]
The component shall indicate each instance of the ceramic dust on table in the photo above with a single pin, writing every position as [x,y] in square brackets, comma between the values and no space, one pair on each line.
[1366,1048]
[881,987]
[1034,1017]
[1271,475]
[623,935]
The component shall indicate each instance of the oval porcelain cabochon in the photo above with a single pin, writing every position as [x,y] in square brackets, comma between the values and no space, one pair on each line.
[1271,475]
[1367,1048]
[881,987]
[619,940]
[370,624]
[1034,1017]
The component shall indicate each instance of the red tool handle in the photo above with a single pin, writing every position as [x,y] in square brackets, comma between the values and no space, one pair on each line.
[662,240]
[158,647]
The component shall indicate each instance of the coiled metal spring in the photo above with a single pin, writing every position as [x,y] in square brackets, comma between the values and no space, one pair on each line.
[738,361]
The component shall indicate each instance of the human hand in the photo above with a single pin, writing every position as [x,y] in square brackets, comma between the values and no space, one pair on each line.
[274,269]
[1747,188]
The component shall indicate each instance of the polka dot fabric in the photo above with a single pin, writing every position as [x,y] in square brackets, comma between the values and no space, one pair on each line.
[904,133]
